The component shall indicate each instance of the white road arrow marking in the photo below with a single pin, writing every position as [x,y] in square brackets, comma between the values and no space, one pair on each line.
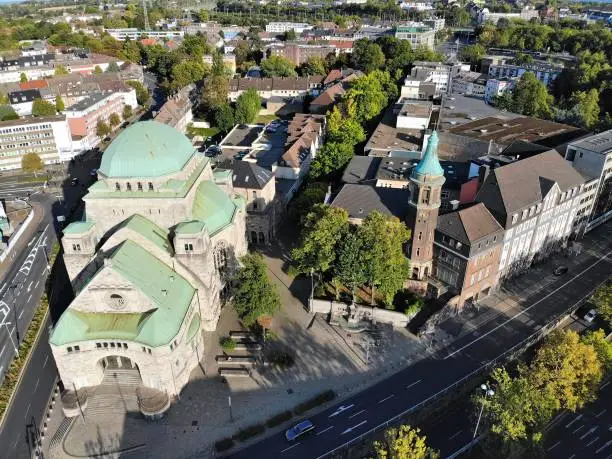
[350,429]
[341,409]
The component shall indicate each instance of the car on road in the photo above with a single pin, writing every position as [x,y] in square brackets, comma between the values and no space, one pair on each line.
[590,316]
[299,429]
[93,172]
[560,270]
[74,181]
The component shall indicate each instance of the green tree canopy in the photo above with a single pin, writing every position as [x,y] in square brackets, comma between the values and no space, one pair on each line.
[290,35]
[370,94]
[114,119]
[42,108]
[312,193]
[102,129]
[473,53]
[23,78]
[314,66]
[223,117]
[344,128]
[278,66]
[586,105]
[384,261]
[349,268]
[323,230]
[530,97]
[59,103]
[603,348]
[404,442]
[142,93]
[112,67]
[254,295]
[97,70]
[248,105]
[31,162]
[7,113]
[127,112]
[60,70]
[331,158]
[367,55]
[602,299]
[215,91]
[187,72]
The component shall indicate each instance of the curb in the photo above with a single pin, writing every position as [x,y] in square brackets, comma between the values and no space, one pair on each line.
[26,363]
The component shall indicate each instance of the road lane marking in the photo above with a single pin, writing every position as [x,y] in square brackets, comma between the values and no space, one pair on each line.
[27,411]
[592,441]
[518,314]
[413,384]
[37,282]
[353,415]
[37,381]
[604,385]
[341,409]
[601,412]
[325,430]
[575,419]
[589,432]
[553,446]
[455,434]
[578,429]
[608,443]
[2,351]
[350,429]
[20,314]
[30,286]
[386,398]
[291,447]
[45,364]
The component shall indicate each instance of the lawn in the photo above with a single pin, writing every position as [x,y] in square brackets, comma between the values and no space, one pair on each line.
[204,132]
[265,119]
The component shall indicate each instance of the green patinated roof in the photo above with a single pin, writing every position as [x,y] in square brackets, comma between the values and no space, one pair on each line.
[149,230]
[213,207]
[146,149]
[78,227]
[430,164]
[223,175]
[168,291]
[192,227]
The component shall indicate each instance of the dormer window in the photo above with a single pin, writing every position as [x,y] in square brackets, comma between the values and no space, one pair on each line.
[128,186]
[117,186]
[150,186]
[139,186]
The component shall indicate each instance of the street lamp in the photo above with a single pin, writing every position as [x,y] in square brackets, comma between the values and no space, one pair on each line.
[488,392]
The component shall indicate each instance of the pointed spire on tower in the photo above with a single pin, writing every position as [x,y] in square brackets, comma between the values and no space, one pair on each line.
[429,166]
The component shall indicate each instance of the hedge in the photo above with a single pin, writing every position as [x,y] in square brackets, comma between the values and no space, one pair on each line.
[224,445]
[320,399]
[279,418]
[248,432]
[11,377]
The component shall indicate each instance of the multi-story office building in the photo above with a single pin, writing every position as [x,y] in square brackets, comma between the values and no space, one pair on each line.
[48,137]
[496,87]
[135,34]
[592,157]
[83,116]
[282,27]
[544,72]
[436,24]
[417,33]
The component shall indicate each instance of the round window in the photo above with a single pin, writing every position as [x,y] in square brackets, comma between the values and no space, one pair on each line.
[117,301]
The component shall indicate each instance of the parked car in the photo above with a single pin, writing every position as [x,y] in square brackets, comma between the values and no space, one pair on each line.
[299,429]
[74,181]
[590,316]
[560,270]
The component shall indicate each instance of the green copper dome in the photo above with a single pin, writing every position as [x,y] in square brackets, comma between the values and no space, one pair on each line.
[146,149]
[429,166]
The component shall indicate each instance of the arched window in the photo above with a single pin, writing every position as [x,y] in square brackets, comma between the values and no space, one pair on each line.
[150,186]
[128,186]
[262,238]
[139,186]
[220,258]
[254,237]
[117,186]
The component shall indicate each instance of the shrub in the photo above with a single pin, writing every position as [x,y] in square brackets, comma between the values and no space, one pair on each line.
[224,445]
[248,432]
[279,418]
[227,344]
[320,399]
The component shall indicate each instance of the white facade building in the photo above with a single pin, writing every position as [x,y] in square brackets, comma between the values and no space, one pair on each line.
[282,27]
[417,33]
[496,87]
[135,34]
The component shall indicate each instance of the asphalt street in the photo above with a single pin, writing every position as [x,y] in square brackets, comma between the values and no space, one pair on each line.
[587,433]
[416,385]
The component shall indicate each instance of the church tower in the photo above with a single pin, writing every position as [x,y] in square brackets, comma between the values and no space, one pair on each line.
[426,182]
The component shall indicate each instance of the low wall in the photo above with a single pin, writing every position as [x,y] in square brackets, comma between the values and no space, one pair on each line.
[16,235]
[397,319]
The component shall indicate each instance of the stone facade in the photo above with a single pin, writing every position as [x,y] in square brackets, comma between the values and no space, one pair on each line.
[181,231]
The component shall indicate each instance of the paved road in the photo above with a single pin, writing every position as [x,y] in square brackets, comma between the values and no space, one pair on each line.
[357,415]
[587,433]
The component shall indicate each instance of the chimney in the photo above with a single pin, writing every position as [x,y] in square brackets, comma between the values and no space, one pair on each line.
[454,204]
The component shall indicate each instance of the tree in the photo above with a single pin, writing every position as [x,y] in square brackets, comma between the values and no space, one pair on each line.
[31,162]
[102,129]
[290,35]
[127,112]
[344,129]
[23,78]
[97,70]
[254,295]
[223,117]
[368,94]
[367,55]
[314,66]
[384,262]
[3,99]
[112,67]
[531,98]
[59,103]
[312,193]
[215,91]
[404,442]
[186,72]
[42,108]
[603,348]
[278,66]
[7,113]
[349,268]
[586,106]
[114,120]
[473,53]
[567,369]
[602,299]
[331,158]
[60,70]
[248,105]
[142,94]
[324,228]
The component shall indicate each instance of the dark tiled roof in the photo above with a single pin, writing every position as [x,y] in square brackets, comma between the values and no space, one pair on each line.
[360,169]
[361,200]
[248,175]
[469,225]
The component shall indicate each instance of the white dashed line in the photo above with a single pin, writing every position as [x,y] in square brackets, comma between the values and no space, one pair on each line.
[353,415]
[455,434]
[386,398]
[291,447]
[592,441]
[324,430]
[553,446]
[413,384]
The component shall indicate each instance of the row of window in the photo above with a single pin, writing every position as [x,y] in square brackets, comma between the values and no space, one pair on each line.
[477,277]
[139,186]
[24,129]
[112,345]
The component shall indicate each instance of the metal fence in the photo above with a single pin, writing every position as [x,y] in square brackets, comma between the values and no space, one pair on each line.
[506,356]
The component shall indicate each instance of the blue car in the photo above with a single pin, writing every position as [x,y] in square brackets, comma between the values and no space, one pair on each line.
[299,430]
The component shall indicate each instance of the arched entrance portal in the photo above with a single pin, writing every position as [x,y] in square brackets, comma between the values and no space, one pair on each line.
[120,369]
